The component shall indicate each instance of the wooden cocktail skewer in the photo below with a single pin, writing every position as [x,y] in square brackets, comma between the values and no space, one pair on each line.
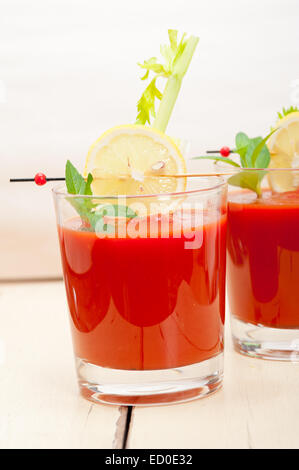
[22,180]
[224,151]
[40,179]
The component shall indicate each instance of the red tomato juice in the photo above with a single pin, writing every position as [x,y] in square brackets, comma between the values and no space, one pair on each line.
[145,303]
[263,259]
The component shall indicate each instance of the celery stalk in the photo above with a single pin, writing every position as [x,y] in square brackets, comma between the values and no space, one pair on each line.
[177,56]
[174,84]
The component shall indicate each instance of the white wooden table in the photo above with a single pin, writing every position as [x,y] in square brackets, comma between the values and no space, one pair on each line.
[40,406]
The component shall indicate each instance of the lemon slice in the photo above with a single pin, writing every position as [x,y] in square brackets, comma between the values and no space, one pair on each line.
[129,160]
[284,150]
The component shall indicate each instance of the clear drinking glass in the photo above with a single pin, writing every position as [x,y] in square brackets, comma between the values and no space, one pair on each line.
[146,294]
[263,265]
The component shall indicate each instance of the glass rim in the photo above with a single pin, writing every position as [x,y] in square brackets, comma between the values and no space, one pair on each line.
[234,169]
[265,169]
[60,191]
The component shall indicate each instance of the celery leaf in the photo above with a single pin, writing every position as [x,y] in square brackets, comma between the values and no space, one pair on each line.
[176,59]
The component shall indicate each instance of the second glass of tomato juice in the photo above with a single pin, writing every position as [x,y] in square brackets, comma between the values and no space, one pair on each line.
[146,292]
[263,265]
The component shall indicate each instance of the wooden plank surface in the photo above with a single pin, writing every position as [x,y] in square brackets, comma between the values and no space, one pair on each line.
[257,407]
[40,406]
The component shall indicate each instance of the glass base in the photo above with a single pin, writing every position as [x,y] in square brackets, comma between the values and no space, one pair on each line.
[277,344]
[149,387]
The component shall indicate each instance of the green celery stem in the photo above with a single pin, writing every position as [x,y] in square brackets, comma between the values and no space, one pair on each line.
[173,85]
[169,98]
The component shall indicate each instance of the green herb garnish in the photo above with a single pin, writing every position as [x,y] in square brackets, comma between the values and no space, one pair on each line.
[253,153]
[90,212]
[76,184]
[248,180]
[177,57]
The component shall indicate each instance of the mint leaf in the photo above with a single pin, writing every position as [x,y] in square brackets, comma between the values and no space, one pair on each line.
[90,212]
[253,153]
[253,144]
[242,142]
[75,182]
[248,180]
[261,155]
[261,158]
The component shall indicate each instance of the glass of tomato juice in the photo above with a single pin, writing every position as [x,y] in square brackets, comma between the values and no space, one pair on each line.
[146,293]
[263,265]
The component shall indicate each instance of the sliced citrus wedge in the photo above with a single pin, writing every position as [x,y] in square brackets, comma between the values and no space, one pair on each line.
[284,149]
[129,159]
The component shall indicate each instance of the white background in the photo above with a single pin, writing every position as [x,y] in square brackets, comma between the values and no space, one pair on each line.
[68,72]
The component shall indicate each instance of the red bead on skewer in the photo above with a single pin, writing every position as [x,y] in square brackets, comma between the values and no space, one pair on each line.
[225,151]
[40,179]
